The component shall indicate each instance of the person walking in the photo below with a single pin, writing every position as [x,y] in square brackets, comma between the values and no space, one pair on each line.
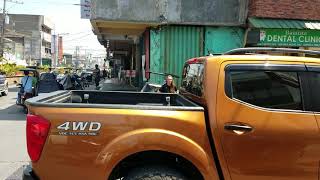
[104,73]
[96,74]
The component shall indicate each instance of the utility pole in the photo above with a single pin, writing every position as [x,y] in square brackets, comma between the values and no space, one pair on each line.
[4,24]
[3,27]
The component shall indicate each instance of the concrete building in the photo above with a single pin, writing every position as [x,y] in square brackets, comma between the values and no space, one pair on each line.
[14,48]
[284,24]
[67,60]
[34,36]
[159,35]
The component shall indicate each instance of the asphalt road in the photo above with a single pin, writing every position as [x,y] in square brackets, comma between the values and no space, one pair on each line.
[13,149]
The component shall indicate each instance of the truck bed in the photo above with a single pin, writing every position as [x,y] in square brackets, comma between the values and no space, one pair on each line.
[114,99]
[91,131]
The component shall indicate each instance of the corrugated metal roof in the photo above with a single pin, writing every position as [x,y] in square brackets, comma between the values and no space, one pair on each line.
[284,23]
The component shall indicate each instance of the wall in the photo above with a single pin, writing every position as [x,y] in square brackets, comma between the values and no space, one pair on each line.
[287,9]
[170,47]
[210,12]
[222,39]
[25,23]
[30,27]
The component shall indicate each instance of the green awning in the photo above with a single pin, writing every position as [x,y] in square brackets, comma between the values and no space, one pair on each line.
[284,24]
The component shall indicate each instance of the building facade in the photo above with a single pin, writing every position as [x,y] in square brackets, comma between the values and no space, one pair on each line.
[34,33]
[156,37]
[286,23]
[67,60]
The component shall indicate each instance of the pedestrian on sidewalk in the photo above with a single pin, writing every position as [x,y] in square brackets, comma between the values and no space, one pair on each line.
[96,74]
[104,73]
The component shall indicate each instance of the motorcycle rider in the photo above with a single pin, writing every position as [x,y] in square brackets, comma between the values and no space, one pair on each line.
[26,85]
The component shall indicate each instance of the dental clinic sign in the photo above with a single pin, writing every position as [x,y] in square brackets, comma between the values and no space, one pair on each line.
[289,37]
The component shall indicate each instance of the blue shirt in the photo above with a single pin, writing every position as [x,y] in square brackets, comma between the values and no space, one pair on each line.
[27,84]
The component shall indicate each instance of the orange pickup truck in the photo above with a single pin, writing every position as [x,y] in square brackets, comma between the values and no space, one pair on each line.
[242,115]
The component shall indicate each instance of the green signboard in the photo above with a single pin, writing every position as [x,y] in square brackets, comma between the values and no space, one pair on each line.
[289,38]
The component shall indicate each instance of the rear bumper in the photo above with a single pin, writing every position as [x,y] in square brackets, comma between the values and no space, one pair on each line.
[28,173]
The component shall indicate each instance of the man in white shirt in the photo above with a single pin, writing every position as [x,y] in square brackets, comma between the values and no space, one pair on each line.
[26,84]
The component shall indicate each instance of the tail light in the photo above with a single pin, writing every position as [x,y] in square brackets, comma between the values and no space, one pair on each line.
[37,132]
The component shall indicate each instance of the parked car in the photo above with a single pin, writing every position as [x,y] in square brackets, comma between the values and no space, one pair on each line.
[4,85]
[240,115]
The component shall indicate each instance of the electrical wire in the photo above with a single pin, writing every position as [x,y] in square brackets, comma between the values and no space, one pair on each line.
[52,3]
[84,49]
[71,36]
[76,39]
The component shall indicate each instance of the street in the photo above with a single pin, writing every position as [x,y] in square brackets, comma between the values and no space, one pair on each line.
[13,139]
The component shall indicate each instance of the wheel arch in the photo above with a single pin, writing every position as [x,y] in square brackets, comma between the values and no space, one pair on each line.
[157,141]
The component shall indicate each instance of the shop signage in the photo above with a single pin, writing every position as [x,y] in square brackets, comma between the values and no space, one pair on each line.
[289,37]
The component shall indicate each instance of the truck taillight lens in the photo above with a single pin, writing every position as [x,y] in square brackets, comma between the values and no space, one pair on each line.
[37,132]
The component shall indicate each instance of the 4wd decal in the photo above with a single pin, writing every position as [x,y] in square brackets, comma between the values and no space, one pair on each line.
[79,128]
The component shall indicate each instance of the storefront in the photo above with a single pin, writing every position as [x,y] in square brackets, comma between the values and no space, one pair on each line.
[171,46]
[283,33]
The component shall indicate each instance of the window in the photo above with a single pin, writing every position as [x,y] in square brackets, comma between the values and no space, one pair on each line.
[314,81]
[193,78]
[269,89]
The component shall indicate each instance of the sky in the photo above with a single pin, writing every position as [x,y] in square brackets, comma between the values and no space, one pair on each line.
[66,18]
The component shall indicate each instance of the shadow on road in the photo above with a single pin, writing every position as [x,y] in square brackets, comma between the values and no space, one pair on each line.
[13,89]
[12,113]
[9,111]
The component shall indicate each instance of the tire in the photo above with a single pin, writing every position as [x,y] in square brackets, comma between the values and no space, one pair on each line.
[25,110]
[6,91]
[155,173]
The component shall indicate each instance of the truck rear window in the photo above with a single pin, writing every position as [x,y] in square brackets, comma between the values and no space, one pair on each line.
[192,81]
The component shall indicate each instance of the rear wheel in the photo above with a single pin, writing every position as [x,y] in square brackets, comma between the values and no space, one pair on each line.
[25,109]
[155,173]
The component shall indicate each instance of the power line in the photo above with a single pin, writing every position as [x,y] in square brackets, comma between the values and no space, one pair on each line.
[79,38]
[11,7]
[101,50]
[51,3]
[79,32]
[72,36]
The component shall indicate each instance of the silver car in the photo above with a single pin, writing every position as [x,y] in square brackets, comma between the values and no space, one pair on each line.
[4,86]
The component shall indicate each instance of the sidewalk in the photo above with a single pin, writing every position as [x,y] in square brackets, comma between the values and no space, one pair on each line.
[115,85]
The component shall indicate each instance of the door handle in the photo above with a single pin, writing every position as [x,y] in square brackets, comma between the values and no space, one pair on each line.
[238,128]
